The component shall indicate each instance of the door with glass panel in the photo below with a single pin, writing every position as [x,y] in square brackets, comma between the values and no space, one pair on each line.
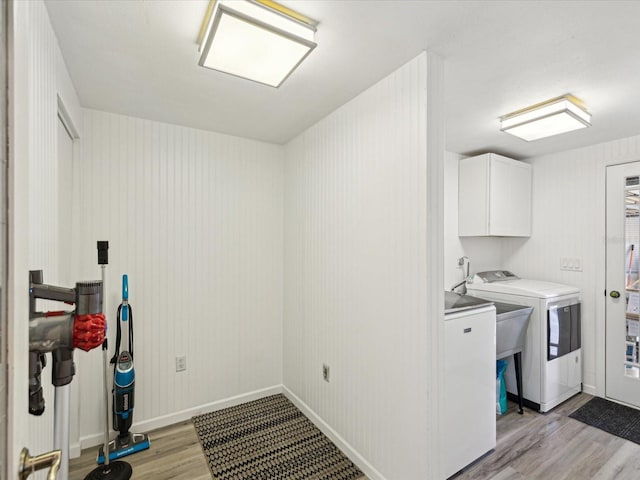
[623,284]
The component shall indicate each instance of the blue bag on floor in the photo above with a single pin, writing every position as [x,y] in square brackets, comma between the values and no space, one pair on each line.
[501,387]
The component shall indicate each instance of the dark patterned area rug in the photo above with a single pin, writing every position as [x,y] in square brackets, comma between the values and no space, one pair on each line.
[621,421]
[269,439]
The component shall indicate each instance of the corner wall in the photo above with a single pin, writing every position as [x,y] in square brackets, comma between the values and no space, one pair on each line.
[195,219]
[356,279]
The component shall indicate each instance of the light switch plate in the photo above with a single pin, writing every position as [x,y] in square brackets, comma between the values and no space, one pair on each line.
[571,264]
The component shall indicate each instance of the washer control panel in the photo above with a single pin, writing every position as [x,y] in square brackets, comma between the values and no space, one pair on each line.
[494,276]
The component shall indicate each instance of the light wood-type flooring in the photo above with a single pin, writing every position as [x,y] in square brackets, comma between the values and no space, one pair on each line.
[529,447]
[175,453]
[553,446]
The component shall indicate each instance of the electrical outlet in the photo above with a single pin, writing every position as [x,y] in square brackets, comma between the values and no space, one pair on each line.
[325,372]
[181,363]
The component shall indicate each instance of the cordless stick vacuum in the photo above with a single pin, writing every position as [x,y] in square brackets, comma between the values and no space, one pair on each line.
[60,332]
[109,470]
[126,442]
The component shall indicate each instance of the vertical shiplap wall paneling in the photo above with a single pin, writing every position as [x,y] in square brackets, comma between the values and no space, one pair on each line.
[569,221]
[43,190]
[355,273]
[195,219]
[432,228]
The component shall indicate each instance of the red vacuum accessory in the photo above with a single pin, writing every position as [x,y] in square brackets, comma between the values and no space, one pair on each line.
[88,331]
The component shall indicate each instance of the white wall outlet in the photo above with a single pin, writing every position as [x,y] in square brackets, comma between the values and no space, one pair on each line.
[325,372]
[181,363]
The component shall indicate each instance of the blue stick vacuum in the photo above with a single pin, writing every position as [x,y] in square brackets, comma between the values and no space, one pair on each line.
[126,442]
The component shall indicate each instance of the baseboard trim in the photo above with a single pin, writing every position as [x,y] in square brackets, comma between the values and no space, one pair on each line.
[590,389]
[74,450]
[146,426]
[341,443]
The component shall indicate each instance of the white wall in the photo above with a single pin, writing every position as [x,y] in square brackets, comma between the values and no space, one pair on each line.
[45,77]
[196,221]
[484,253]
[356,274]
[569,221]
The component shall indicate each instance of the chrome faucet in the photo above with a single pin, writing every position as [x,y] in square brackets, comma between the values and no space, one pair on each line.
[463,283]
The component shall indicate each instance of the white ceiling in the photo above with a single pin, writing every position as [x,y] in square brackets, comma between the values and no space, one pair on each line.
[139,58]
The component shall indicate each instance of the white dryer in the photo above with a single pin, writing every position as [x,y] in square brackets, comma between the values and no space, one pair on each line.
[552,357]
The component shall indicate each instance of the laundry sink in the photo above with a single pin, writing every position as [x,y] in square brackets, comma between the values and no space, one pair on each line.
[456,302]
[511,328]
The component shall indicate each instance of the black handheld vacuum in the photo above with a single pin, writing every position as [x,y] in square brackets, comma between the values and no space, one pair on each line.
[126,442]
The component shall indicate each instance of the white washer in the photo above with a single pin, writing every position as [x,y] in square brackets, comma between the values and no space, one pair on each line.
[552,357]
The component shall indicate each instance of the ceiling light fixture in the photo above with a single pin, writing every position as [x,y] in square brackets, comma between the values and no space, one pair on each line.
[260,40]
[555,116]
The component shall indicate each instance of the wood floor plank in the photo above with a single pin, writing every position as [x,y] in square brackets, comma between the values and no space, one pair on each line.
[624,464]
[175,453]
[552,445]
[529,447]
[508,473]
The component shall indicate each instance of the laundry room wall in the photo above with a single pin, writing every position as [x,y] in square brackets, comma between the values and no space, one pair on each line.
[47,83]
[569,221]
[196,220]
[356,275]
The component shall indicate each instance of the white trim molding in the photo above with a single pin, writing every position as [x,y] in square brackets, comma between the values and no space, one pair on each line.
[166,420]
[341,443]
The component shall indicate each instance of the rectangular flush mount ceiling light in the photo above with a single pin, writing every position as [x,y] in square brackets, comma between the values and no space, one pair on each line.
[555,116]
[255,39]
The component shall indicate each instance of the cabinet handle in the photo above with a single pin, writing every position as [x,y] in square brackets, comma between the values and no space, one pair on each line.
[614,294]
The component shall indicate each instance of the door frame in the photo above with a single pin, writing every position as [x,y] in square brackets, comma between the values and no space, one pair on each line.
[17,231]
[601,267]
[635,164]
[67,122]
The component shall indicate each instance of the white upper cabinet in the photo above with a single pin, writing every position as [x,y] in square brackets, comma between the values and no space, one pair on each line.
[494,197]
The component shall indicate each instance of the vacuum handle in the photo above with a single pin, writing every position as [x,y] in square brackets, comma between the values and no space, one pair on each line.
[125,287]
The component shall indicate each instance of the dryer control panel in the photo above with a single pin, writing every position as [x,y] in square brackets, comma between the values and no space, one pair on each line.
[491,276]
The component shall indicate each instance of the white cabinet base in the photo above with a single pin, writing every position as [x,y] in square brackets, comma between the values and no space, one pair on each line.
[470,387]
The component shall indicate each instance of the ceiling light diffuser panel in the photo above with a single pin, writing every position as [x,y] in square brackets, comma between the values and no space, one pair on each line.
[546,119]
[251,40]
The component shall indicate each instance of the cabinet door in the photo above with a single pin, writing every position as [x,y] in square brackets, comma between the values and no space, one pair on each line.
[494,197]
[510,197]
[470,389]
[473,196]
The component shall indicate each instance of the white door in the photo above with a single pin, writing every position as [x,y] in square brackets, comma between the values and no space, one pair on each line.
[3,243]
[623,284]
